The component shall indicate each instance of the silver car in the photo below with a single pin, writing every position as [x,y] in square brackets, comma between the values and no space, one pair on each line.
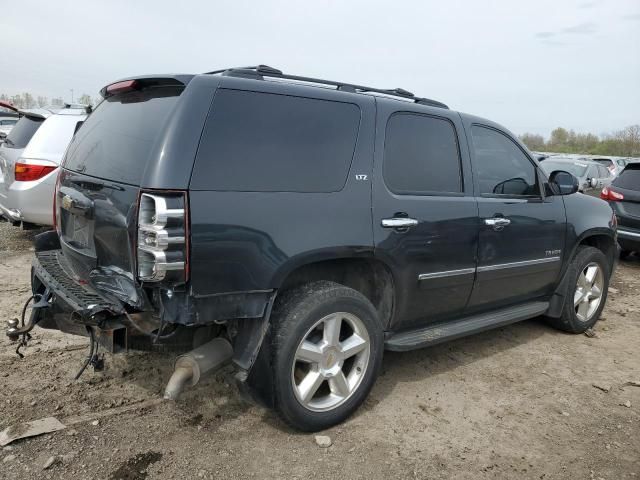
[592,176]
[29,160]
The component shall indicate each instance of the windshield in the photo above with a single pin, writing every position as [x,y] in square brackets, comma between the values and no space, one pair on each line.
[577,169]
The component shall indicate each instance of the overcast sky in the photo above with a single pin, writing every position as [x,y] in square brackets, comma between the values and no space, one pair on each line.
[531,65]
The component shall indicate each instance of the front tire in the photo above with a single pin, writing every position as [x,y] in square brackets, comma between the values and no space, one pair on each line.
[327,352]
[586,294]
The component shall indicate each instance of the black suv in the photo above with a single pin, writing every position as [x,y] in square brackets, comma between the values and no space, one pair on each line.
[300,227]
[624,197]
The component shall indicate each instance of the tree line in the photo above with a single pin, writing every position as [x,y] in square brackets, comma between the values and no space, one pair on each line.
[622,143]
[26,100]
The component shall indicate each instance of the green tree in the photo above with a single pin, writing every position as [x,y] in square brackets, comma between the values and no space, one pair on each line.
[533,141]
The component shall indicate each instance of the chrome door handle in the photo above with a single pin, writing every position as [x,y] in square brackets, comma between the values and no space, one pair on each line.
[497,222]
[399,222]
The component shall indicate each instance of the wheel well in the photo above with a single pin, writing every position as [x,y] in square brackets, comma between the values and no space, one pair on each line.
[370,277]
[604,243]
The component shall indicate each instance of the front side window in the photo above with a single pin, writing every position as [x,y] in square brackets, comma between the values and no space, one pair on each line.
[502,167]
[421,155]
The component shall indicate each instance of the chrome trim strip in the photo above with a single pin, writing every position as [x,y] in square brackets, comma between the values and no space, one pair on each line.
[448,273]
[626,233]
[525,263]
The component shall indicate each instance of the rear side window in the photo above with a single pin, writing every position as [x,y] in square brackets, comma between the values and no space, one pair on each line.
[421,155]
[265,142]
[629,179]
[501,166]
[117,139]
[22,131]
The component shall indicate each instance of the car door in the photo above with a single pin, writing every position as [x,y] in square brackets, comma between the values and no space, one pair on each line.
[522,231]
[424,214]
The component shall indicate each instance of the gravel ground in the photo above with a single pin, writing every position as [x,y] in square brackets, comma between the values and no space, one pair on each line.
[517,402]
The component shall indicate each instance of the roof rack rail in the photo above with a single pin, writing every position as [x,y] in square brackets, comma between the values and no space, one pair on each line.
[261,71]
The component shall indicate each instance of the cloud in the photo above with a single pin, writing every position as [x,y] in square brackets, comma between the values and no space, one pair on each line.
[586,28]
[587,4]
[635,17]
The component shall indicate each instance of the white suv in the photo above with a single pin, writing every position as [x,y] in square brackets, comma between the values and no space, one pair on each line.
[27,181]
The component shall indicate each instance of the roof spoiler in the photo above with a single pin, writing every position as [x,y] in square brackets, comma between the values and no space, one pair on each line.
[8,106]
[137,83]
[36,112]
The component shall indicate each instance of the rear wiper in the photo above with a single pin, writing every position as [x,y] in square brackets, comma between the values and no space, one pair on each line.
[9,142]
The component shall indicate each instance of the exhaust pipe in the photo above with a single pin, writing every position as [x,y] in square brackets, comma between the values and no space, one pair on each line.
[191,366]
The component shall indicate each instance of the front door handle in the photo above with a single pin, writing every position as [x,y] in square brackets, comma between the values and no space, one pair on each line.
[399,222]
[498,223]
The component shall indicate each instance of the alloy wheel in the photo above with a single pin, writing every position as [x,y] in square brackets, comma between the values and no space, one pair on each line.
[588,294]
[331,361]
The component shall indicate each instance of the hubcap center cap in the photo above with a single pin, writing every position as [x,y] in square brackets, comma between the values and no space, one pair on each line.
[330,364]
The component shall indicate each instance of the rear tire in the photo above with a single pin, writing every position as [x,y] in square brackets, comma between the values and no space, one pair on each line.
[586,294]
[327,352]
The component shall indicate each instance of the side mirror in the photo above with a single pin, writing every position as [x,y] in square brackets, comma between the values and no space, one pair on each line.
[563,182]
[593,182]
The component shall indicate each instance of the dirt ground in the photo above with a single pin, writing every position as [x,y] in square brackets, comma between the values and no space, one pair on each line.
[517,402]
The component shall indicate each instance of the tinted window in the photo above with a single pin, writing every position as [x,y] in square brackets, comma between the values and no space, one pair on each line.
[117,139]
[8,122]
[421,155]
[22,131]
[629,179]
[502,168]
[267,143]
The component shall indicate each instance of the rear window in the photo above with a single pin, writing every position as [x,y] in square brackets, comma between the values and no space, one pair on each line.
[265,142]
[117,139]
[52,139]
[22,131]
[629,179]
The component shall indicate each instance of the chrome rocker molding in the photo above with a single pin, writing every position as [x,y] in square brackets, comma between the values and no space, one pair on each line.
[488,268]
[525,263]
[627,233]
[448,273]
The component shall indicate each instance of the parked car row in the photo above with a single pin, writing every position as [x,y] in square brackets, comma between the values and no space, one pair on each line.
[299,227]
[592,176]
[29,160]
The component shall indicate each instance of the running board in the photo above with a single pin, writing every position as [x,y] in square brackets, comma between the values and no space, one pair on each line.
[442,332]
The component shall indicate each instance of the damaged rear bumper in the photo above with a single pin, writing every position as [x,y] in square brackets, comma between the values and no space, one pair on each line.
[72,307]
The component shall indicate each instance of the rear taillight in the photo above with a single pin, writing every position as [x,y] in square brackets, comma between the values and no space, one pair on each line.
[162,237]
[26,172]
[611,195]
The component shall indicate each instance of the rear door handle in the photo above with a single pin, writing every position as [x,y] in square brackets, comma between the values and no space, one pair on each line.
[498,223]
[399,222]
